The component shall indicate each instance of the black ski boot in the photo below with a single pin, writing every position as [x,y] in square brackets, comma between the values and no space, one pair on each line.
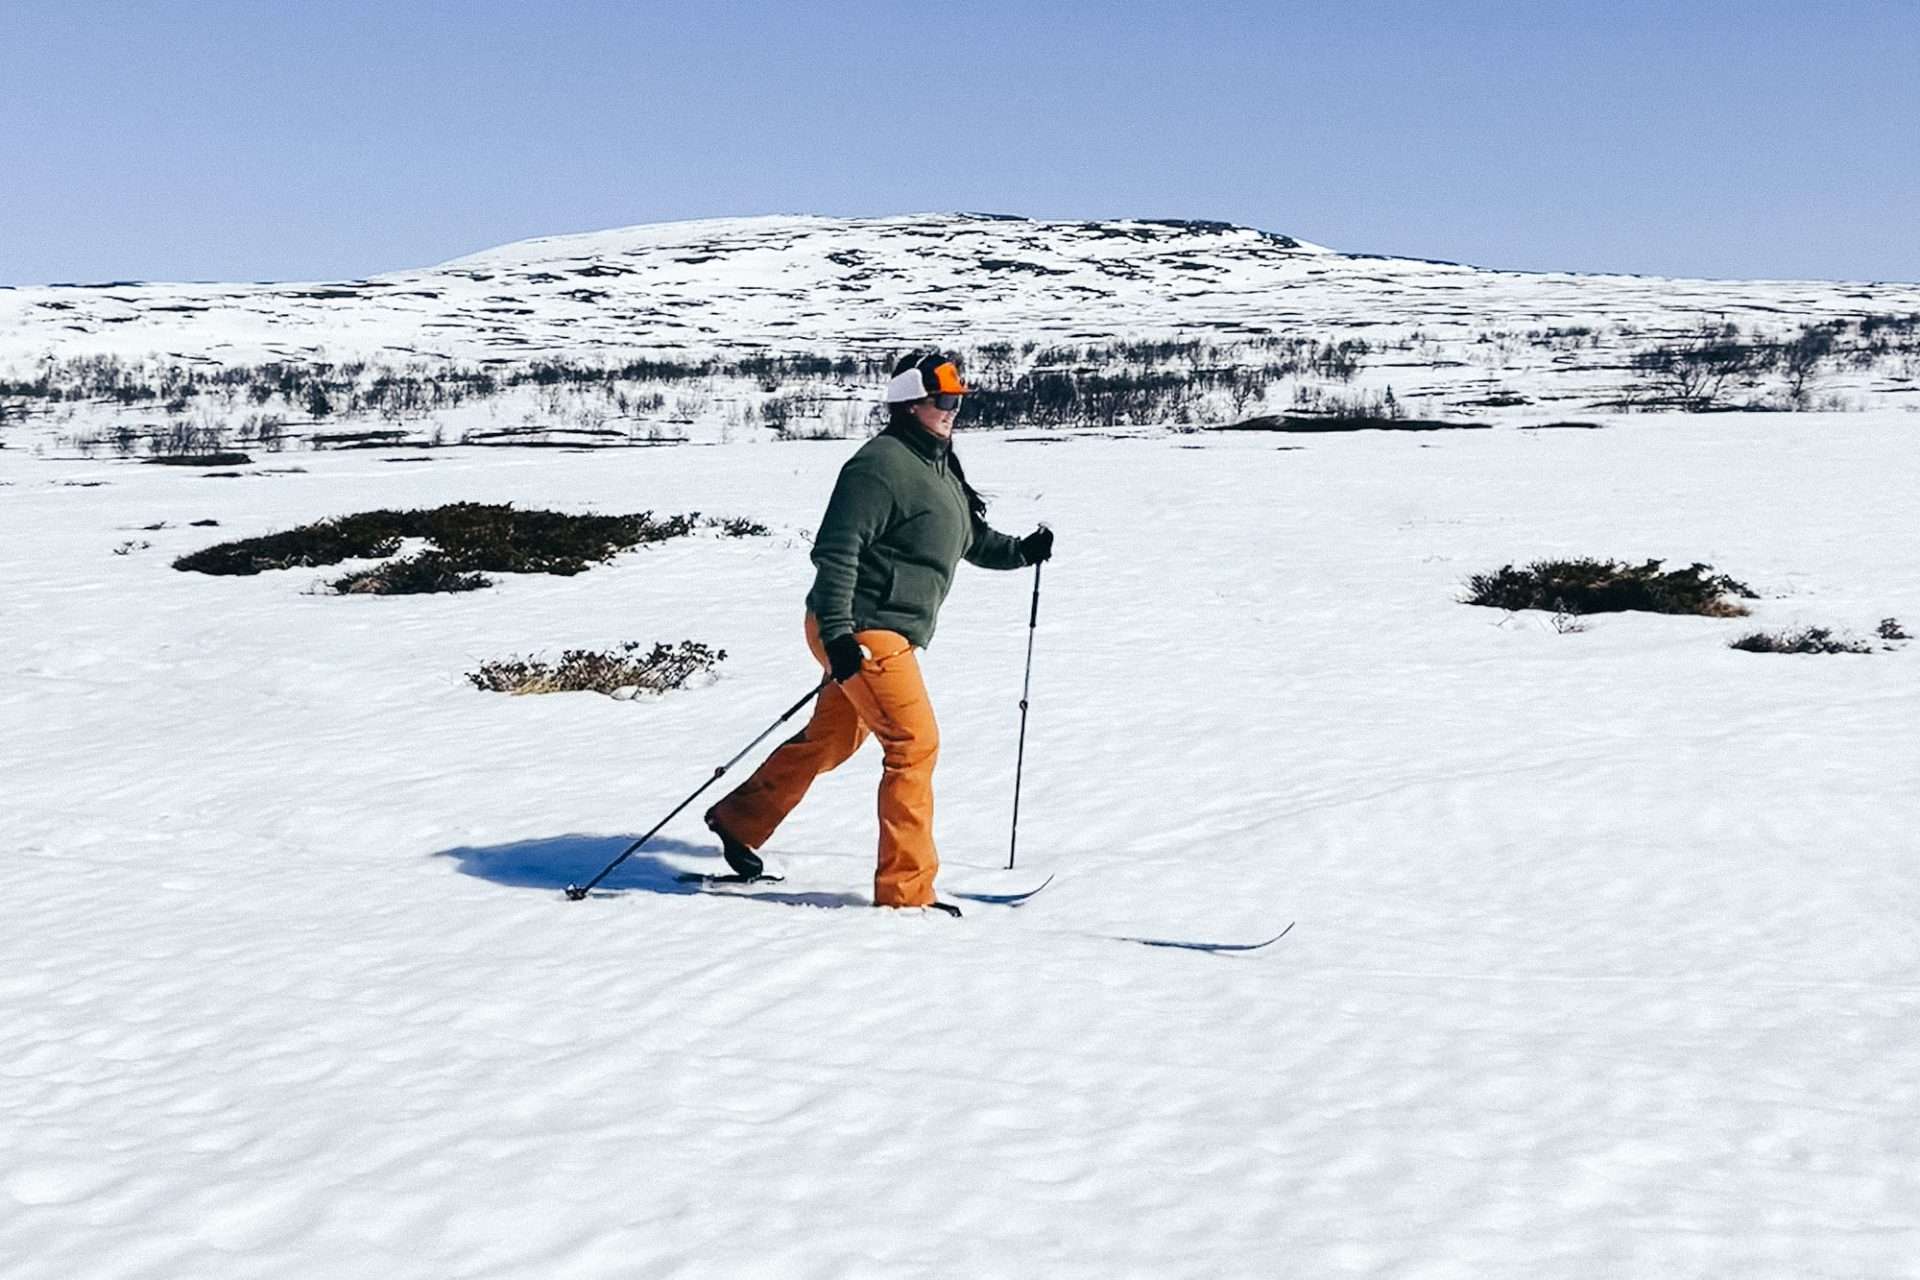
[744,862]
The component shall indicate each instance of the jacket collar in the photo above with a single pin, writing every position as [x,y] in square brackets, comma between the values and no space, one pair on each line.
[925,443]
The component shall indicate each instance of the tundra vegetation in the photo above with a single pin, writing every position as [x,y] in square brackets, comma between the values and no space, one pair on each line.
[162,408]
[1583,586]
[622,672]
[1812,639]
[460,543]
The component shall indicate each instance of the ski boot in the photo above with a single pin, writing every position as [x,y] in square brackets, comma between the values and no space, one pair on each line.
[742,861]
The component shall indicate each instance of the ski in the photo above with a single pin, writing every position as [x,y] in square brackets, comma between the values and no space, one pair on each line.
[735,881]
[721,881]
[1213,947]
[1005,899]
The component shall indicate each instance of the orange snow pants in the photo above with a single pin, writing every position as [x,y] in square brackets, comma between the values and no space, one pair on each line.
[889,700]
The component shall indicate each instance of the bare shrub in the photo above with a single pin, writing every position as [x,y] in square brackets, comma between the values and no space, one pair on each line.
[1799,640]
[1693,374]
[428,572]
[1800,362]
[1587,586]
[738,527]
[617,672]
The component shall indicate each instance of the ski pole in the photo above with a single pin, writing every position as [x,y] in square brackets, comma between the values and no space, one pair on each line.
[1020,760]
[579,891]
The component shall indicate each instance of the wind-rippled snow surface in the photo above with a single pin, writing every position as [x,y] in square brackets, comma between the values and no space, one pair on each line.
[1606,953]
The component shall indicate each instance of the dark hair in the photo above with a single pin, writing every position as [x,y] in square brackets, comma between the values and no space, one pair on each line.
[900,420]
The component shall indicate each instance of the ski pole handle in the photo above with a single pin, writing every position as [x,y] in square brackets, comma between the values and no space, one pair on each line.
[1033,619]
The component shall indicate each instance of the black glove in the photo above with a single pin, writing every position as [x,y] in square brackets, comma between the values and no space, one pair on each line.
[1037,546]
[844,657]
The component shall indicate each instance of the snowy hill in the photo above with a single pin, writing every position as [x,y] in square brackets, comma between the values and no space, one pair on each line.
[865,287]
[780,282]
[823,284]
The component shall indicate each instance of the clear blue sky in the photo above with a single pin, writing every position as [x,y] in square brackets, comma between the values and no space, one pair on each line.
[298,139]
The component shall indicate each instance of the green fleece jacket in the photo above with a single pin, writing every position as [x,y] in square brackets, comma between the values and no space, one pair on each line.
[896,526]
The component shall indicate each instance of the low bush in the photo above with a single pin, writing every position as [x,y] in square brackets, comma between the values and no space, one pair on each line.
[468,538]
[1799,640]
[498,539]
[740,527]
[410,576]
[368,535]
[615,672]
[1607,586]
[1694,373]
[200,460]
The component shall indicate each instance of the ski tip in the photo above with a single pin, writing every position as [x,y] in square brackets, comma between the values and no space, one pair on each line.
[1214,948]
[1006,899]
[1283,933]
[1014,899]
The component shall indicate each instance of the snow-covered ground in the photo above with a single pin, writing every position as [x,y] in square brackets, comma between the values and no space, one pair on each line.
[1606,946]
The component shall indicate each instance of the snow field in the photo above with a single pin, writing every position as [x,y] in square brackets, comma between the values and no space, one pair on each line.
[1606,945]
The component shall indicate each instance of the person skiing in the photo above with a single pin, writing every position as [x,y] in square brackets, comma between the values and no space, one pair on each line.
[901,517]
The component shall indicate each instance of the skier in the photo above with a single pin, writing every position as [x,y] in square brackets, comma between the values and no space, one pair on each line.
[901,516]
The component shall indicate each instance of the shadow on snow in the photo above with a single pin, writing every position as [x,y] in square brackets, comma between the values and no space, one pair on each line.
[554,862]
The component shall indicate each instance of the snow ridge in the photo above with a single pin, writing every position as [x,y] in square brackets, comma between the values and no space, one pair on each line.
[840,285]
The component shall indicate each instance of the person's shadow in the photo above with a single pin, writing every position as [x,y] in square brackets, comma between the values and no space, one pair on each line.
[554,862]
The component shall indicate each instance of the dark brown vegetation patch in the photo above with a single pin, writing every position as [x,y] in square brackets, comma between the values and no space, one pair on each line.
[616,672]
[199,460]
[410,576]
[1799,640]
[467,540]
[1609,586]
[1819,640]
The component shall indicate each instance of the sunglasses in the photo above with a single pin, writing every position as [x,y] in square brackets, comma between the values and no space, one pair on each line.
[945,403]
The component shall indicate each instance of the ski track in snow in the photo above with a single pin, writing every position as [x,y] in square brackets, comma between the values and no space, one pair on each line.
[1606,954]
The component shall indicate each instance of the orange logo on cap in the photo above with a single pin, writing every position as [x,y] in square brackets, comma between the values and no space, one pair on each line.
[946,380]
